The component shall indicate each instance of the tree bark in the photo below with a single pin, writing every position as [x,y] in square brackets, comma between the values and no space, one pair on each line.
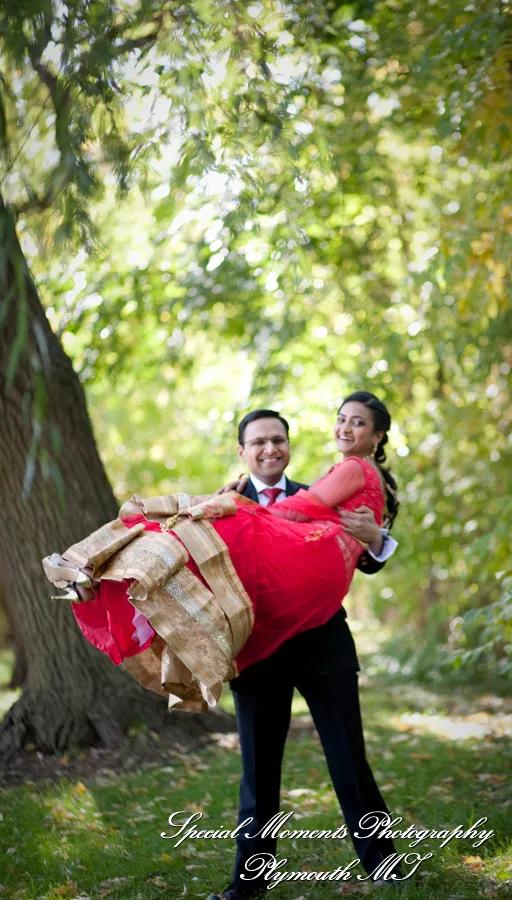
[14,638]
[72,693]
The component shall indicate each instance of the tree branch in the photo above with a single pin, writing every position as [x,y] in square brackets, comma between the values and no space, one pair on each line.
[138,43]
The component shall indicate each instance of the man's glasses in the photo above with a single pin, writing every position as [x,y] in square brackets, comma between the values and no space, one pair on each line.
[261,442]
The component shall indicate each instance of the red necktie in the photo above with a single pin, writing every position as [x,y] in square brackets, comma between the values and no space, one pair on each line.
[272,494]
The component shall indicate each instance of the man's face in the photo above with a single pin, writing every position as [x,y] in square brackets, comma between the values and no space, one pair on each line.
[265,449]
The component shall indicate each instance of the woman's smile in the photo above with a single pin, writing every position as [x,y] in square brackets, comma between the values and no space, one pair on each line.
[354,430]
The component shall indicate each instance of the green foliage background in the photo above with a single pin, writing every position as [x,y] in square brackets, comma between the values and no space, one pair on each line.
[232,205]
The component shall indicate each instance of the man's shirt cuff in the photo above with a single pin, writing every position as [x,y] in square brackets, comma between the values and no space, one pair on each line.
[388,548]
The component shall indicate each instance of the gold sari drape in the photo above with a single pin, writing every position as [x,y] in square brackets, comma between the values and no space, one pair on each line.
[199,630]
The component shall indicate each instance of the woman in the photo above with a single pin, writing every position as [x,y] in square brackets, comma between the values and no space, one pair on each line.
[187,592]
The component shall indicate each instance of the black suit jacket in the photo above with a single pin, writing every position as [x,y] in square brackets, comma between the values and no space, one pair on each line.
[327,648]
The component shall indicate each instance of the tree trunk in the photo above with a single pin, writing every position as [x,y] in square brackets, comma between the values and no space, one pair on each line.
[72,693]
[14,638]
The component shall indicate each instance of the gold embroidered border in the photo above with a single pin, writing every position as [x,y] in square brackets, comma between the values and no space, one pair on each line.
[350,552]
[183,686]
[211,555]
[159,669]
[201,641]
[157,508]
[150,559]
[102,544]
[213,507]
[150,507]
[198,632]
[146,667]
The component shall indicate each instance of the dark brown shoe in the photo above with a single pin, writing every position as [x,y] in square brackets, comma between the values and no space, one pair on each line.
[235,893]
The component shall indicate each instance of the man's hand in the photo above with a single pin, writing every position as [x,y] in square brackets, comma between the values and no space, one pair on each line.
[361,524]
[237,485]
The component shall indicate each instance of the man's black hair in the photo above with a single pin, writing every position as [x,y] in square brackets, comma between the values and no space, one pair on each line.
[259,414]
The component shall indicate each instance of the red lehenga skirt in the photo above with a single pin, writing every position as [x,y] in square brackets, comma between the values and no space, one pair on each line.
[187,603]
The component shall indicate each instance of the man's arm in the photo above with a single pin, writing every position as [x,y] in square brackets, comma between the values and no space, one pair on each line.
[369,565]
[362,525]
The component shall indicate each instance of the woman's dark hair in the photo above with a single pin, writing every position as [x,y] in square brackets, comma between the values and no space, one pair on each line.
[381,422]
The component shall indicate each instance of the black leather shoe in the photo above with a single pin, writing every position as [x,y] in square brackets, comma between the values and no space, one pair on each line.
[234,893]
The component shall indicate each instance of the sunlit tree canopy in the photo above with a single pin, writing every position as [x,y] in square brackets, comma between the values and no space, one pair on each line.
[228,205]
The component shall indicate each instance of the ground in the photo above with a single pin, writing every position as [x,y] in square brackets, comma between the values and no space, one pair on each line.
[89,825]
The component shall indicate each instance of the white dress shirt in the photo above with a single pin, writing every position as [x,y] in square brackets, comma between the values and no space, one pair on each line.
[260,486]
[389,544]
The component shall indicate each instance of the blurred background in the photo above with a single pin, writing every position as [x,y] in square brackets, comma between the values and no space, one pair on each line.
[226,206]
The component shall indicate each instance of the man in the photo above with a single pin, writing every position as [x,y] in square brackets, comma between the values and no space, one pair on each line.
[322,663]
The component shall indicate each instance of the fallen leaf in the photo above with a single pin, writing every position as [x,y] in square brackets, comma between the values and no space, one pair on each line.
[79,788]
[474,863]
[158,881]
[70,887]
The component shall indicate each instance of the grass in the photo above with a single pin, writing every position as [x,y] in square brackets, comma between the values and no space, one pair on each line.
[7,696]
[439,759]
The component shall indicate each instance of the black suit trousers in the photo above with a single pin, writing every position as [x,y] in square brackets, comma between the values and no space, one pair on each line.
[322,663]
[263,714]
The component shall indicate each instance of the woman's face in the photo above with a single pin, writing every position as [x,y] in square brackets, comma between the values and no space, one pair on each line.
[354,430]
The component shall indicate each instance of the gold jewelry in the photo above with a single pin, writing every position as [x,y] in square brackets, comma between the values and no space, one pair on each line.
[169,523]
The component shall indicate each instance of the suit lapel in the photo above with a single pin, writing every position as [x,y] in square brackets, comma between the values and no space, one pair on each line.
[250,491]
[292,487]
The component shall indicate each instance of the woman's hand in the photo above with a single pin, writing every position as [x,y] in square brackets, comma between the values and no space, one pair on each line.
[237,485]
[361,524]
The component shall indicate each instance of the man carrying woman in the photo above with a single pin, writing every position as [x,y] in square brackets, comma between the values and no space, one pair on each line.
[188,592]
[320,662]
